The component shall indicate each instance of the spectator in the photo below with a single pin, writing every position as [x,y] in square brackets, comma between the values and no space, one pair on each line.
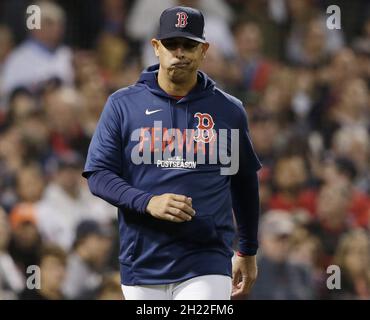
[333,218]
[343,171]
[87,261]
[63,110]
[290,179]
[53,270]
[40,57]
[255,70]
[354,142]
[22,104]
[6,46]
[65,202]
[278,278]
[353,257]
[25,243]
[11,279]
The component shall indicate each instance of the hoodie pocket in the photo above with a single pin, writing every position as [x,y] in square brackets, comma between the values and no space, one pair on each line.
[155,235]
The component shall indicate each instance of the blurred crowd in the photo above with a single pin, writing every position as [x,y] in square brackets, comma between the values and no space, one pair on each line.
[306,91]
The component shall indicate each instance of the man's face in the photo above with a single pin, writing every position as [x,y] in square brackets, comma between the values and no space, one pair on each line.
[53,272]
[179,57]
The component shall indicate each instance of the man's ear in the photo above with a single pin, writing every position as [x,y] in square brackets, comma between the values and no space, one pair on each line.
[205,47]
[155,44]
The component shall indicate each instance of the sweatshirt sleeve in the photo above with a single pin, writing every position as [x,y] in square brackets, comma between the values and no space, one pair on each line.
[109,186]
[104,168]
[245,194]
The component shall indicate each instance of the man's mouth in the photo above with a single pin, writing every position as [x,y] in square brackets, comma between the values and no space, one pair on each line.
[180,65]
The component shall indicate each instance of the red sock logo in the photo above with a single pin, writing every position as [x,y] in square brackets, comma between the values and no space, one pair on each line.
[182,20]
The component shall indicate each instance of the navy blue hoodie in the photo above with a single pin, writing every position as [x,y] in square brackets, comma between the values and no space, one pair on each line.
[154,251]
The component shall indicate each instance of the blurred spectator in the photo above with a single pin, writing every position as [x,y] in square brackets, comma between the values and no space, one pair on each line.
[352,107]
[216,66]
[66,201]
[254,69]
[333,218]
[362,43]
[309,40]
[264,128]
[117,68]
[290,180]
[87,260]
[52,275]
[36,133]
[110,288]
[27,176]
[6,45]
[22,104]
[276,98]
[353,257]
[11,279]
[330,81]
[11,160]
[270,16]
[342,171]
[277,277]
[354,142]
[306,250]
[25,243]
[40,57]
[63,110]
[112,52]
[302,101]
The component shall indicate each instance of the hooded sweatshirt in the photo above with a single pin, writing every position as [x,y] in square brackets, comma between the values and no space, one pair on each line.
[149,143]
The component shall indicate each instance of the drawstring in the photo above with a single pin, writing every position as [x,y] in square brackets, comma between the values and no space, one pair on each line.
[171,114]
[187,120]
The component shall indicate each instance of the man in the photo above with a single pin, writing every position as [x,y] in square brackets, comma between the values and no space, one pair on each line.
[279,278]
[53,271]
[41,57]
[87,261]
[160,155]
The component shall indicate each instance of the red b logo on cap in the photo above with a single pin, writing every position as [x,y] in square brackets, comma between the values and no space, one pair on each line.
[182,20]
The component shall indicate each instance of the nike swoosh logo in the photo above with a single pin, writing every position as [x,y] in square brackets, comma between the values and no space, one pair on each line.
[147,112]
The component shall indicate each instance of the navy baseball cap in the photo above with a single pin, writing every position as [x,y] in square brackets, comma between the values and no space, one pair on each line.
[183,22]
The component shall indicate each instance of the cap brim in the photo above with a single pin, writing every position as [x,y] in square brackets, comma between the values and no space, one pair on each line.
[180,34]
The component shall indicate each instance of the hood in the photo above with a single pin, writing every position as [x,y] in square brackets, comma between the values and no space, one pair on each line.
[204,87]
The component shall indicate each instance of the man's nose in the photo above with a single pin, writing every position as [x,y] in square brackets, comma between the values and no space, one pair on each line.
[179,51]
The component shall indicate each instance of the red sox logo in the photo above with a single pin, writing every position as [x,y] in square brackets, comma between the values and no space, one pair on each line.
[205,126]
[182,20]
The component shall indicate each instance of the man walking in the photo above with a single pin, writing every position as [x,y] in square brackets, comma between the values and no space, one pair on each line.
[173,153]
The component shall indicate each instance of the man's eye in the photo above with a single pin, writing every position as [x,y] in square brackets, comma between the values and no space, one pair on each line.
[170,45]
[190,45]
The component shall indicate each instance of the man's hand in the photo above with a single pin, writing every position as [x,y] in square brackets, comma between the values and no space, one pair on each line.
[171,207]
[244,276]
